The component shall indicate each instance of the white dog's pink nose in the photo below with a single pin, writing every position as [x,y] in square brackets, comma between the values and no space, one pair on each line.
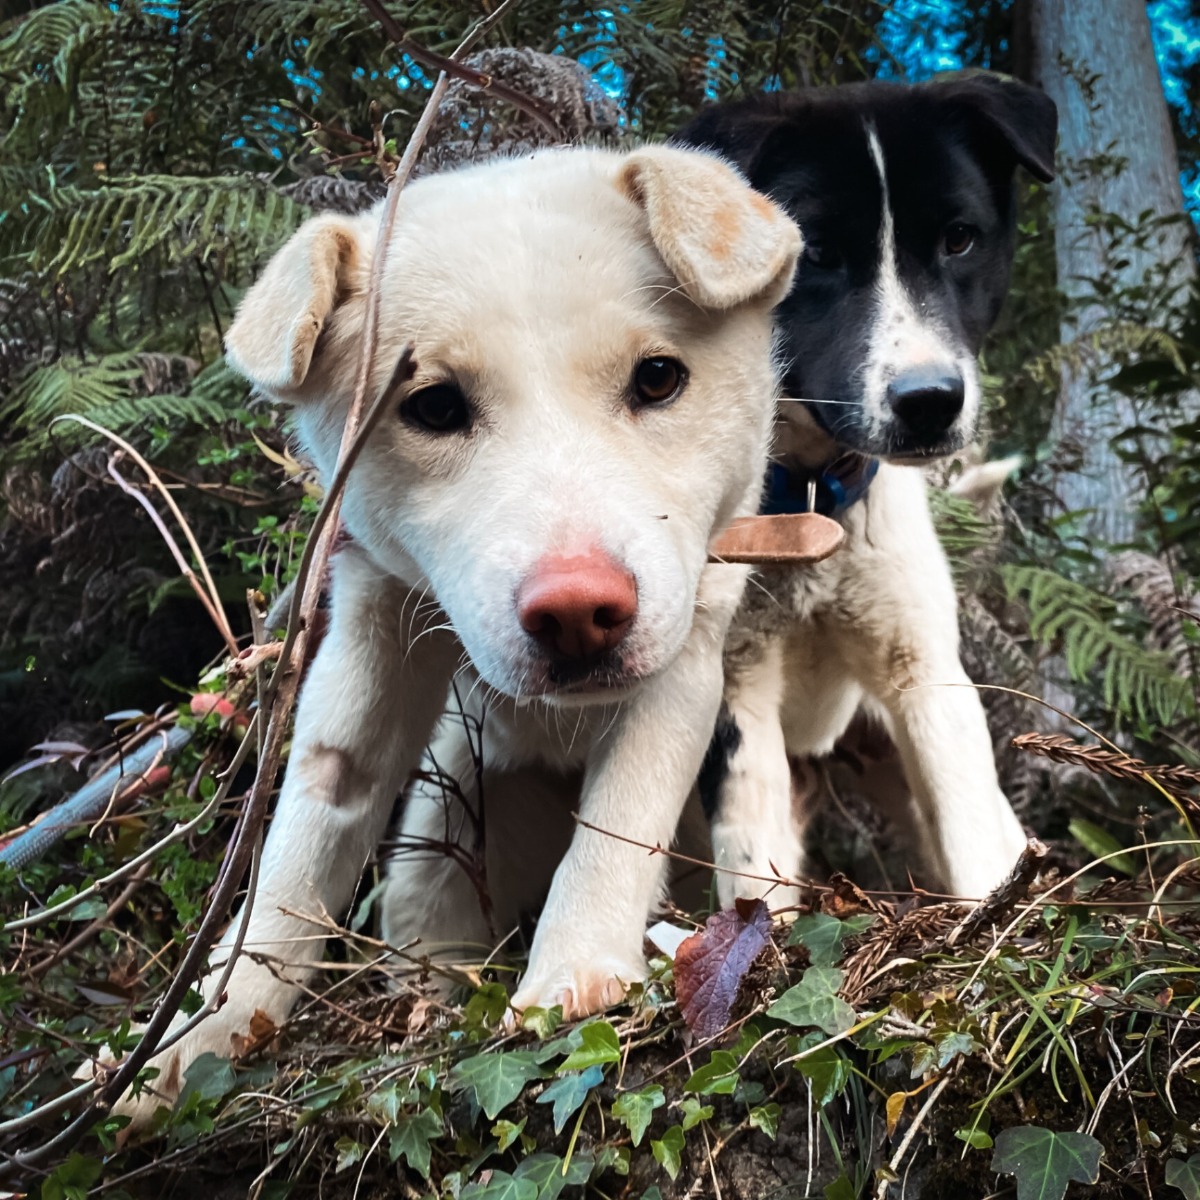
[579,606]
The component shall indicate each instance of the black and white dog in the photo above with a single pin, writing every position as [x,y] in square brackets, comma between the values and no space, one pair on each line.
[905,196]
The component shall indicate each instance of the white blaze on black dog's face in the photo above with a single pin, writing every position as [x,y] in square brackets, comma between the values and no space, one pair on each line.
[905,199]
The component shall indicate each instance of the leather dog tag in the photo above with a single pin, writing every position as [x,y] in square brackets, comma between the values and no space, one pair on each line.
[784,539]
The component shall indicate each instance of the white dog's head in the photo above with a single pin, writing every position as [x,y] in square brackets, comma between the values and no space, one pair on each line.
[592,398]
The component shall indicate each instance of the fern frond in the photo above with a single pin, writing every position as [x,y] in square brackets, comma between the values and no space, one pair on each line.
[110,390]
[962,531]
[1135,682]
[177,217]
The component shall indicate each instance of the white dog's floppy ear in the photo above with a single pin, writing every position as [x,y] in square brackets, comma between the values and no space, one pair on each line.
[272,338]
[723,241]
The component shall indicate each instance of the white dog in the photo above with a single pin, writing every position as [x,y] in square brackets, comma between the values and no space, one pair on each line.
[592,403]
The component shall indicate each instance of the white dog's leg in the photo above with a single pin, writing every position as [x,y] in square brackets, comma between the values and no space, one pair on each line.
[371,698]
[970,831]
[588,944]
[754,831]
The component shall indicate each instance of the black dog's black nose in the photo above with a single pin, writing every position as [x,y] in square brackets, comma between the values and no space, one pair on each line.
[926,400]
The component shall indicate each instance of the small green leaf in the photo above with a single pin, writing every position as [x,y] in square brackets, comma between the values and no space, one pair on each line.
[840,1189]
[1099,842]
[595,1044]
[349,1154]
[825,1067]
[209,1077]
[542,1021]
[814,1001]
[635,1109]
[668,1151]
[694,1112]
[1044,1162]
[718,1076]
[568,1093]
[501,1186]
[72,1180]
[496,1078]
[1185,1176]
[411,1137]
[766,1118]
[487,1006]
[545,1171]
[505,1132]
[823,935]
[977,1139]
[953,1044]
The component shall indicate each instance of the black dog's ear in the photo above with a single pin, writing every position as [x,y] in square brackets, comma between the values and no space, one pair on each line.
[736,131]
[1024,118]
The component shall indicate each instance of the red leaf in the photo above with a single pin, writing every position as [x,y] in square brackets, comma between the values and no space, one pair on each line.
[710,965]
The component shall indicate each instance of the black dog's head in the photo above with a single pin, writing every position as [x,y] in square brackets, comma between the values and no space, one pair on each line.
[905,197]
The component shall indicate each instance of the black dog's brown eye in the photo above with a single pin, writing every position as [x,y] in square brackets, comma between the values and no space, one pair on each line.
[657,380]
[958,238]
[822,255]
[441,408]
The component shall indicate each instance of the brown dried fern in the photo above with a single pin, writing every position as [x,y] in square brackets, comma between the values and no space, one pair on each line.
[1059,748]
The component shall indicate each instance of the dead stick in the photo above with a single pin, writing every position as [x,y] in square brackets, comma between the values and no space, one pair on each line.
[458,70]
[1003,899]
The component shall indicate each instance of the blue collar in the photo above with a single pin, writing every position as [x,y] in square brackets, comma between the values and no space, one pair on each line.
[834,487]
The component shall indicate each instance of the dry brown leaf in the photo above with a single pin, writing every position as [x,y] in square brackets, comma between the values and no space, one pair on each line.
[710,965]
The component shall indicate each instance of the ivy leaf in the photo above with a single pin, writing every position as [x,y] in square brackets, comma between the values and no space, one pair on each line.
[501,1186]
[349,1152]
[545,1172]
[505,1132]
[953,1044]
[719,1076]
[710,965]
[542,1021]
[495,1078]
[825,1067]
[814,1001]
[980,1139]
[411,1137]
[668,1151]
[210,1077]
[595,1043]
[694,1112]
[72,1179]
[635,1109]
[1185,1176]
[569,1092]
[823,935]
[766,1117]
[1044,1162]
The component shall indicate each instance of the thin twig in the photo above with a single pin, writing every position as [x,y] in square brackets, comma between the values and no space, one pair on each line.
[218,618]
[458,70]
[909,1135]
[163,491]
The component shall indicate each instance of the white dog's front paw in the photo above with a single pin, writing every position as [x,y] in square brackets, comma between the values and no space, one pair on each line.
[582,984]
[213,1035]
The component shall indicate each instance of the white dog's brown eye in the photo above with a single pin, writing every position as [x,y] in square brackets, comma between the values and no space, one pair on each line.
[441,408]
[657,380]
[958,238]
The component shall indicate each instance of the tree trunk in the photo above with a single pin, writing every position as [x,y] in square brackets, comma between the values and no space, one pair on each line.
[1116,156]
